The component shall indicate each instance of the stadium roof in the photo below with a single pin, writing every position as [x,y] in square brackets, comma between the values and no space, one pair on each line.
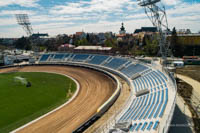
[92,48]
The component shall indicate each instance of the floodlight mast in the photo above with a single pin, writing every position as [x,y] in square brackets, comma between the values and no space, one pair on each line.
[157,15]
[23,20]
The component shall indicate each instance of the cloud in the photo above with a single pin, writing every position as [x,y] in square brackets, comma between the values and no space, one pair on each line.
[94,16]
[23,3]
[13,12]
[171,2]
[184,9]
[7,21]
[98,6]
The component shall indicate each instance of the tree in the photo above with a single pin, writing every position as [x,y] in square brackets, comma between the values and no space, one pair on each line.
[23,43]
[174,31]
[88,37]
[151,47]
[174,43]
[82,42]
[108,43]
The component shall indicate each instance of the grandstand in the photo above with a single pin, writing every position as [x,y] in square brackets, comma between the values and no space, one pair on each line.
[150,107]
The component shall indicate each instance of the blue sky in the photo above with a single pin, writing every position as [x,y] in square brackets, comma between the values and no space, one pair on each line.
[68,16]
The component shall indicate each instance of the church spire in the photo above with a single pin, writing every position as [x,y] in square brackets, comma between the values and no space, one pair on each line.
[122,29]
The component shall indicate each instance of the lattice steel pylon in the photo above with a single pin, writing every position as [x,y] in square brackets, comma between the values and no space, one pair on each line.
[23,20]
[157,15]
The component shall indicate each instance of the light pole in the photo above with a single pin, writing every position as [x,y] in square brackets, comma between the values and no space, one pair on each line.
[157,15]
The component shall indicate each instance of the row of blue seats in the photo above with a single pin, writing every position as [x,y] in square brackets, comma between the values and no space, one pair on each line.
[133,69]
[115,63]
[98,59]
[148,81]
[142,126]
[80,57]
[76,57]
[146,107]
[44,57]
[59,56]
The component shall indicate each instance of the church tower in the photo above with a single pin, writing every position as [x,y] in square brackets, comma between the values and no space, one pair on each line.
[122,30]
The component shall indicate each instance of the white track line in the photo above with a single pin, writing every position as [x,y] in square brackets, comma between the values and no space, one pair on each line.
[74,96]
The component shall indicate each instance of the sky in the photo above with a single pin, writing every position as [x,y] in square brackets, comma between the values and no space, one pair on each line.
[69,16]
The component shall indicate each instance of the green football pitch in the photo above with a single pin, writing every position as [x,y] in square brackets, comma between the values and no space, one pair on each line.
[20,104]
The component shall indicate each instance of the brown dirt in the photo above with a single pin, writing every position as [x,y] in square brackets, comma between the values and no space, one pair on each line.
[190,71]
[125,92]
[95,89]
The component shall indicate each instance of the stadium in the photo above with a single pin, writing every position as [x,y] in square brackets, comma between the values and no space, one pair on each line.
[136,82]
[148,108]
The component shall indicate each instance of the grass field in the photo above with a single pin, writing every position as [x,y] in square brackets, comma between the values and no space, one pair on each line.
[20,104]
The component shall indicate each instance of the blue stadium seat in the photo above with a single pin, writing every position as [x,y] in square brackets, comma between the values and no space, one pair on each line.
[158,77]
[133,69]
[144,126]
[146,107]
[160,104]
[59,56]
[149,126]
[80,57]
[44,57]
[66,56]
[98,59]
[155,125]
[138,126]
[155,105]
[162,75]
[141,108]
[150,108]
[164,105]
[136,110]
[115,63]
[128,70]
[134,103]
[133,127]
[133,109]
[129,109]
[128,63]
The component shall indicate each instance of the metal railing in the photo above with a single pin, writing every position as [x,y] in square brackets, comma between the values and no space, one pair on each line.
[112,120]
[167,118]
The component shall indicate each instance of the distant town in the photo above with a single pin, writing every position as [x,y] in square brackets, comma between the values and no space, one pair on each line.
[142,41]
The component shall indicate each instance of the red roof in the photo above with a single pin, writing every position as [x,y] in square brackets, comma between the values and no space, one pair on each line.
[121,35]
[79,33]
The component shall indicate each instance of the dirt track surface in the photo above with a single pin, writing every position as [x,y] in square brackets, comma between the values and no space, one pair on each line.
[95,89]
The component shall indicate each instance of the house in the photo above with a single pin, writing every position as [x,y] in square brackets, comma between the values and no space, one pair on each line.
[81,35]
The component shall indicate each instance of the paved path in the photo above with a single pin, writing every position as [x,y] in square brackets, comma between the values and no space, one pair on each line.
[182,118]
[196,91]
[195,84]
